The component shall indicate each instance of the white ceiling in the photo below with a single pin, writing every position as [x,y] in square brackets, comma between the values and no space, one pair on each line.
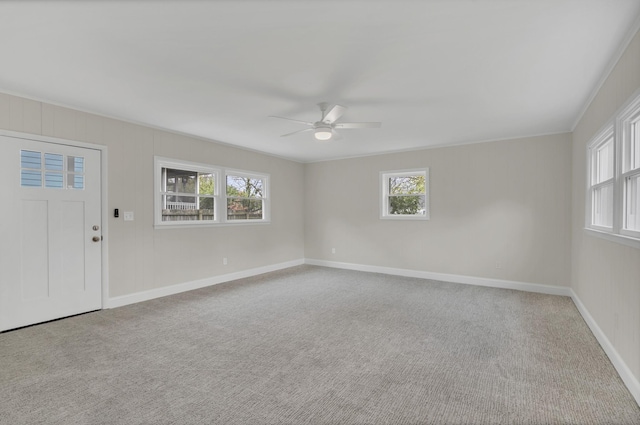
[435,72]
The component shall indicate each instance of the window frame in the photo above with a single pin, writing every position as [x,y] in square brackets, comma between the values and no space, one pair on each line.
[605,136]
[161,163]
[631,114]
[264,198]
[619,130]
[384,194]
[219,195]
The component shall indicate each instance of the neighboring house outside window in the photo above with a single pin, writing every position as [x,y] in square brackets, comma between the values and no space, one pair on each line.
[189,193]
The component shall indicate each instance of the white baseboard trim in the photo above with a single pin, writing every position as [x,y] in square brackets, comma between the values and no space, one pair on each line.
[621,367]
[445,277]
[632,383]
[196,284]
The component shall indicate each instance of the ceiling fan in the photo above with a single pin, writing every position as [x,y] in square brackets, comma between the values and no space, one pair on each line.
[324,129]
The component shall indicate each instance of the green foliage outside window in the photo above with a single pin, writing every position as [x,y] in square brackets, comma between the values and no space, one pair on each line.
[407,195]
[244,198]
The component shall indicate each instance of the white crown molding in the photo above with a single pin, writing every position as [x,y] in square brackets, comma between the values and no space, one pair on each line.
[439,146]
[152,127]
[608,70]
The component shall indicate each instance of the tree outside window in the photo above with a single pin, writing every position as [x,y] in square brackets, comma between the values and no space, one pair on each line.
[196,194]
[245,197]
[405,194]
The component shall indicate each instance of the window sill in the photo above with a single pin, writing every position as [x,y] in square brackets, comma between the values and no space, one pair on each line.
[612,237]
[404,217]
[216,224]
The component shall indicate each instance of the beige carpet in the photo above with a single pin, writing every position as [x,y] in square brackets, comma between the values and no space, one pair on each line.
[311,345]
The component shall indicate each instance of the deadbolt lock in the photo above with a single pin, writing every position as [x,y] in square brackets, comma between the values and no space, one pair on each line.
[96,227]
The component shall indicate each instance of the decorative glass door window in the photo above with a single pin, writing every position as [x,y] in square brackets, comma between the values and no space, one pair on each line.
[37,168]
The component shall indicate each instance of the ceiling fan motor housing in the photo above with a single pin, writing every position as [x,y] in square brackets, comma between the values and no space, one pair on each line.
[322,131]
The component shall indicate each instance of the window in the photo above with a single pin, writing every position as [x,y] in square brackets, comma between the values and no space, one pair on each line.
[630,173]
[602,180]
[613,197]
[189,193]
[245,196]
[56,174]
[405,194]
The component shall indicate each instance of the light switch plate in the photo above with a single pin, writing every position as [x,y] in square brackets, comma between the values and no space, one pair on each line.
[128,216]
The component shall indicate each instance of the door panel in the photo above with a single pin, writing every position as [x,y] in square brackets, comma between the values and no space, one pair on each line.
[34,241]
[50,267]
[72,237]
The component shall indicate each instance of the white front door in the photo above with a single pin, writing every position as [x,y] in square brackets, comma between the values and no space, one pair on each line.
[50,217]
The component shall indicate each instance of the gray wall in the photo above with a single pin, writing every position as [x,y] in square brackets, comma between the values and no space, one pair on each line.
[504,203]
[141,257]
[606,275]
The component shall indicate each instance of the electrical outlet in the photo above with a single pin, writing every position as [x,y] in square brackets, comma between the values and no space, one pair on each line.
[224,261]
[498,265]
[128,216]
[333,250]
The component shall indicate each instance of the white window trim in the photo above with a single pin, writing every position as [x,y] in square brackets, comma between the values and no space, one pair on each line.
[612,237]
[623,128]
[619,128]
[220,194]
[266,207]
[600,139]
[384,194]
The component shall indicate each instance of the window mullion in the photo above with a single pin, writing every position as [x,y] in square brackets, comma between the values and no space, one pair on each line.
[630,173]
[618,196]
[630,204]
[604,183]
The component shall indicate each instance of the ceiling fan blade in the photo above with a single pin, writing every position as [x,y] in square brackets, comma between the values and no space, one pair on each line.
[358,125]
[334,113]
[296,132]
[291,119]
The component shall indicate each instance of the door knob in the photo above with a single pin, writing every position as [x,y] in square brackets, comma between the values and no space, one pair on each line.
[96,239]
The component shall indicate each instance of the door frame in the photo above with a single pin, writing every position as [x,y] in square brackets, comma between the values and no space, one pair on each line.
[104,210]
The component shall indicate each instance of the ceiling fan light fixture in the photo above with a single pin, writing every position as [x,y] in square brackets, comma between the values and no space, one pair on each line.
[324,129]
[323,134]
